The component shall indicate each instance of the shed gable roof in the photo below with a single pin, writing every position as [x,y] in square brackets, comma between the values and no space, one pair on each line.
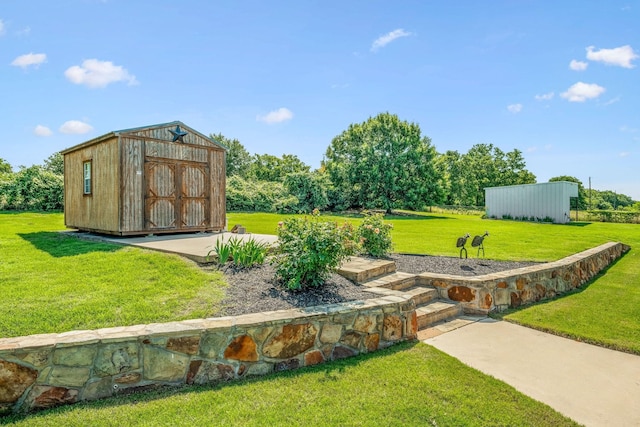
[162,131]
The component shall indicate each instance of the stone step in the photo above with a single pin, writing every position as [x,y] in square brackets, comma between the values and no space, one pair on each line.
[436,311]
[396,281]
[360,270]
[422,295]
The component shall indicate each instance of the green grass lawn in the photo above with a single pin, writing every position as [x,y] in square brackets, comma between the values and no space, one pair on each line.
[410,384]
[55,283]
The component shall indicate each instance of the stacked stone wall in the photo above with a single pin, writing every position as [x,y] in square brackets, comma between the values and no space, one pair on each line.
[512,288]
[42,371]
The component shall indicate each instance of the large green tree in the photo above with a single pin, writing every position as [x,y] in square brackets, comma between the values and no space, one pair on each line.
[383,162]
[266,167]
[238,158]
[487,166]
[449,166]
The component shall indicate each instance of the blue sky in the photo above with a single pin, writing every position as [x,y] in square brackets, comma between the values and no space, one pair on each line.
[558,80]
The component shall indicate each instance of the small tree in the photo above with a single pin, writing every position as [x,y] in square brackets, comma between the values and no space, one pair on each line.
[238,159]
[54,164]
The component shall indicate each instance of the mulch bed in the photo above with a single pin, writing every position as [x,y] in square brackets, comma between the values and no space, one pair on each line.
[255,290]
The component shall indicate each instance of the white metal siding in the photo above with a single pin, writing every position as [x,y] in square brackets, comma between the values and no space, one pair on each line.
[549,199]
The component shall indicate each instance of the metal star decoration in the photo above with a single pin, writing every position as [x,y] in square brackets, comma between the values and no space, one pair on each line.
[178,134]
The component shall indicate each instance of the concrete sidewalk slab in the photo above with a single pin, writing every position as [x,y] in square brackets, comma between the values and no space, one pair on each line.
[193,246]
[592,385]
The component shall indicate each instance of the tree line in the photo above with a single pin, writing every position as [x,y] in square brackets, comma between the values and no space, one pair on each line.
[383,163]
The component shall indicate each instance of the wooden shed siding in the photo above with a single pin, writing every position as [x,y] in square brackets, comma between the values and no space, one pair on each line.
[100,209]
[218,190]
[132,185]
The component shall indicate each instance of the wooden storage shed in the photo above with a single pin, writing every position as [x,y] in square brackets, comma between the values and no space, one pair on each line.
[165,178]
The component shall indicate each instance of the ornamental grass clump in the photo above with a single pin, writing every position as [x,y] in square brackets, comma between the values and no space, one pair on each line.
[243,253]
[375,235]
[310,249]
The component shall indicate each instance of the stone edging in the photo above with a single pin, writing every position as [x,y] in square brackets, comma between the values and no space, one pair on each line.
[42,371]
[512,288]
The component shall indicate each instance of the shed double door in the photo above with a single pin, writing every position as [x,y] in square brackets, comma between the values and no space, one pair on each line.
[177,195]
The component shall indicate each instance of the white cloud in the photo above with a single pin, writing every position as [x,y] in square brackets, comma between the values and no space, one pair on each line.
[95,73]
[514,108]
[2,27]
[384,40]
[276,116]
[578,65]
[628,129]
[580,92]
[620,56]
[75,127]
[624,154]
[544,96]
[42,131]
[29,59]
[532,149]
[612,101]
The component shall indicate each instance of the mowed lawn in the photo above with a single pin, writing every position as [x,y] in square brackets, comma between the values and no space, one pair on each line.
[54,283]
[606,312]
[410,384]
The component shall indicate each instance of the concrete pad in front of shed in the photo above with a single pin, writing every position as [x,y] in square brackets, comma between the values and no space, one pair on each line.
[192,246]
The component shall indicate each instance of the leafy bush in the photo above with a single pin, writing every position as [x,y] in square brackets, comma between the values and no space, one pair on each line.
[31,188]
[261,196]
[243,253]
[310,189]
[309,249]
[375,235]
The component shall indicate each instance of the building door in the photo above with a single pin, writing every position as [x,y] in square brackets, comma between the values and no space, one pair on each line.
[177,195]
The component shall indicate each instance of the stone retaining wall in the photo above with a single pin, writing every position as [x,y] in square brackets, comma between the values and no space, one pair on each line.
[512,288]
[42,371]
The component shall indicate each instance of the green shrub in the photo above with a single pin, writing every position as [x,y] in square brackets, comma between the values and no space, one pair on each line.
[258,196]
[310,249]
[375,235]
[32,188]
[309,188]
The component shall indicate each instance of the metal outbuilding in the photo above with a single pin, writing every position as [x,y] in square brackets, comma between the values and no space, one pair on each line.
[548,201]
[163,178]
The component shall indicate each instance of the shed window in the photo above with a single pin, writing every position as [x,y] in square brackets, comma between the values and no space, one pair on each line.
[86,167]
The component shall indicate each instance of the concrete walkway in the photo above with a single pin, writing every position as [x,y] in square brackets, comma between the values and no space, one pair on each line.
[194,246]
[592,385]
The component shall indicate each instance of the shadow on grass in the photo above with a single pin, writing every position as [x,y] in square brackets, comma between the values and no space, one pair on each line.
[59,245]
[577,224]
[137,395]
